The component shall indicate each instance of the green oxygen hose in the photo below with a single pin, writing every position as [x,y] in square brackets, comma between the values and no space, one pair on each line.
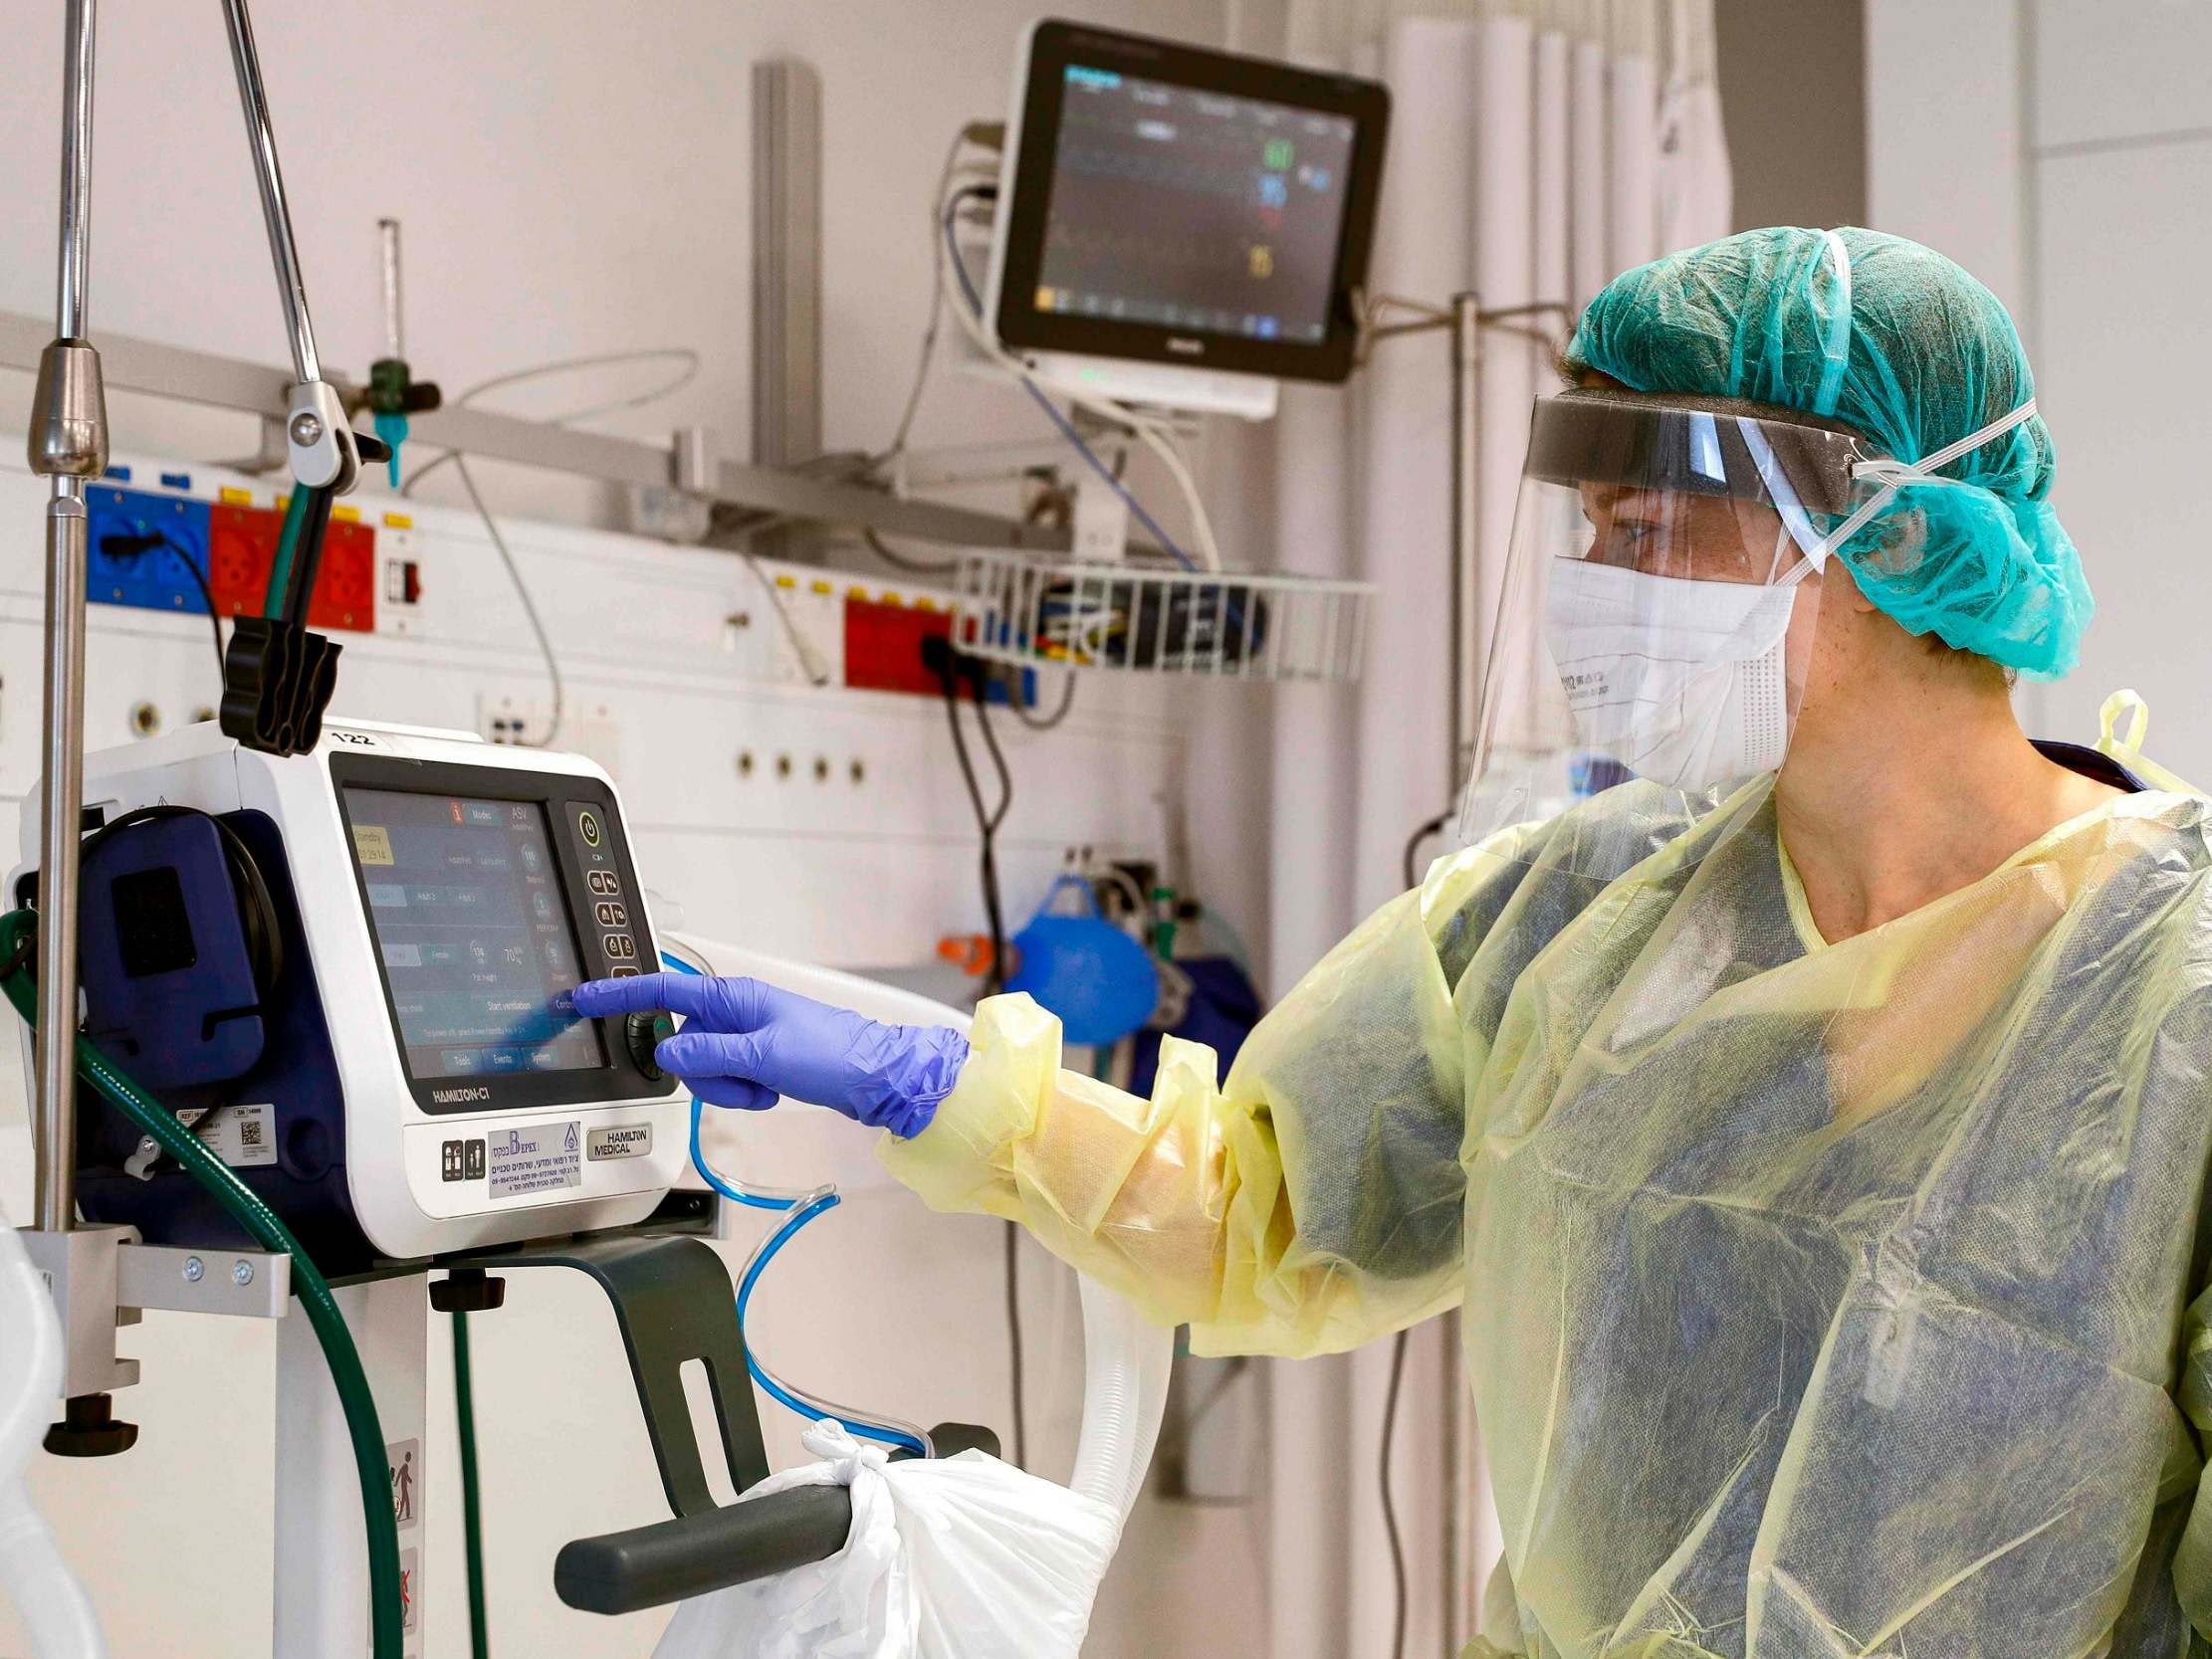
[260,1222]
[288,546]
[472,1516]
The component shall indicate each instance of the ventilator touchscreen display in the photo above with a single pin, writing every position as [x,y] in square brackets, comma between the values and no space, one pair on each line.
[473,934]
[1194,210]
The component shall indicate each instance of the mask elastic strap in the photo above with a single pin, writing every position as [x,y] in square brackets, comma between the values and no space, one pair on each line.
[1895,475]
[1805,566]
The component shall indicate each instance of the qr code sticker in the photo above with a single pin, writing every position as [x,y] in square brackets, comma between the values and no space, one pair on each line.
[241,1135]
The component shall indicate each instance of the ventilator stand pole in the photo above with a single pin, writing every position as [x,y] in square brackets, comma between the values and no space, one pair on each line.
[68,444]
[1466,553]
[321,1576]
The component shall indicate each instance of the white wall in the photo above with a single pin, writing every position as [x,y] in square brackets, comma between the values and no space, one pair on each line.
[2120,158]
[2062,150]
[1943,138]
[571,178]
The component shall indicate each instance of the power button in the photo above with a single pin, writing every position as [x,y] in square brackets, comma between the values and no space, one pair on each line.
[588,826]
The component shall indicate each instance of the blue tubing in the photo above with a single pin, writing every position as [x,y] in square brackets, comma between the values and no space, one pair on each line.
[805,1209]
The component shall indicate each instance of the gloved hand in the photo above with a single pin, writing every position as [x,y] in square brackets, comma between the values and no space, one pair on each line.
[744,1043]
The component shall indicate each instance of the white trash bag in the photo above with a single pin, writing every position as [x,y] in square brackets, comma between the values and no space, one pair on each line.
[957,1558]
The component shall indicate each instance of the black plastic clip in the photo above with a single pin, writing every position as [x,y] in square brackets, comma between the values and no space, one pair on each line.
[277,672]
[276,682]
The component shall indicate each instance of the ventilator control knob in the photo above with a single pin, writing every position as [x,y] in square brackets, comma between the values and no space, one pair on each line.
[643,1032]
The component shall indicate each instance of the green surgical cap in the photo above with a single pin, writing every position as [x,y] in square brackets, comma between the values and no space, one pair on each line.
[1896,342]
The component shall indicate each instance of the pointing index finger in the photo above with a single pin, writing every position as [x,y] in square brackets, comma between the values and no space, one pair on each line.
[679,993]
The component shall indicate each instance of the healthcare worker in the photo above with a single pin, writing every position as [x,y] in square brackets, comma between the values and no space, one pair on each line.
[1801,1079]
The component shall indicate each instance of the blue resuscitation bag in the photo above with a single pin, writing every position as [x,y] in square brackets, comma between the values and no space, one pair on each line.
[1095,977]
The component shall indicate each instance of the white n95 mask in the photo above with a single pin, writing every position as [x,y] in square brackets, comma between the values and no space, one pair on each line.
[1681,682]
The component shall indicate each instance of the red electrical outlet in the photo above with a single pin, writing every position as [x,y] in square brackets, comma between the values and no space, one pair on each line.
[884,647]
[345,586]
[242,546]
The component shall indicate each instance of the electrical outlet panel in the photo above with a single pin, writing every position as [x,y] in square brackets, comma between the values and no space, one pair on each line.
[883,648]
[883,645]
[582,730]
[345,585]
[138,546]
[242,548]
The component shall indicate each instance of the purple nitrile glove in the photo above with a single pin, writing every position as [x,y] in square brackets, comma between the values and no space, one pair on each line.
[744,1043]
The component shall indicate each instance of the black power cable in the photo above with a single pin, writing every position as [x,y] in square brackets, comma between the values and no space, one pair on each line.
[987,819]
[1389,1504]
[978,682]
[950,668]
[996,981]
[1045,722]
[1410,871]
[120,544]
[207,597]
[1412,868]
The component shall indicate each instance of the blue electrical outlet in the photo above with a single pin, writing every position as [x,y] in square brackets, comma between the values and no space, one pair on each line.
[138,546]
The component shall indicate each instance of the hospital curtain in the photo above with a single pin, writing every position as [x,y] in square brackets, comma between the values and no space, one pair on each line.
[1535,149]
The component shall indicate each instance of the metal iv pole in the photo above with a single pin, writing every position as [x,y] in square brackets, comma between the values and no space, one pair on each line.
[68,445]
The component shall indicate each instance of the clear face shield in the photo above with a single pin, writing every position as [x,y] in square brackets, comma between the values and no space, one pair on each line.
[1660,603]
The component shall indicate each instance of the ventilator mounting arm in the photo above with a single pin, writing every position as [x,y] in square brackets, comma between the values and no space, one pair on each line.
[321,446]
[278,676]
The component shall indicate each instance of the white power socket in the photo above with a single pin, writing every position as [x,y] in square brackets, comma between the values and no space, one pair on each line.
[584,730]
[1101,524]
[809,634]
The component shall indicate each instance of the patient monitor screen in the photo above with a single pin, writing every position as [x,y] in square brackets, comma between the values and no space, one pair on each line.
[1192,209]
[473,934]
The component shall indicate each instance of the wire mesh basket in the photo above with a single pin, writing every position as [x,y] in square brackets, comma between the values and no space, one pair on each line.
[1020,609]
